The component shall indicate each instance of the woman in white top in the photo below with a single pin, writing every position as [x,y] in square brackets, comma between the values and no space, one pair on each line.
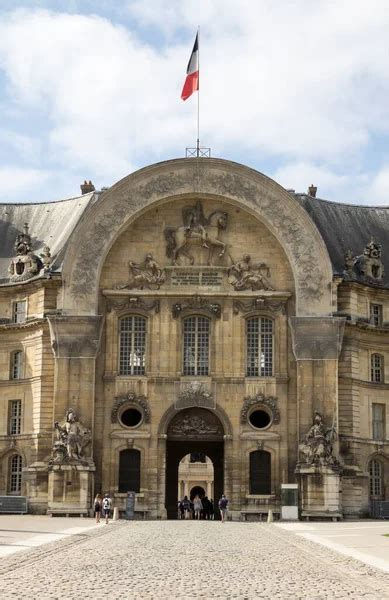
[197,506]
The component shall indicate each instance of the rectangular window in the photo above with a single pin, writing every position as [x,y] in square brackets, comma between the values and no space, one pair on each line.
[376,314]
[17,365]
[15,474]
[378,421]
[15,417]
[259,333]
[19,311]
[196,346]
[132,345]
[376,368]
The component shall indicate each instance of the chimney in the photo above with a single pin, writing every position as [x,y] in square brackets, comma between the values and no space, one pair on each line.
[87,187]
[311,191]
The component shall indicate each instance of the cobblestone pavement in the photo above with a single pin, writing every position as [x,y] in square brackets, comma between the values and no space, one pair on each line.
[185,560]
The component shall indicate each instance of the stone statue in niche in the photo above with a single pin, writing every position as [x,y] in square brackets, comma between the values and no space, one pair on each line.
[244,275]
[198,230]
[146,275]
[72,438]
[317,447]
[25,264]
[368,266]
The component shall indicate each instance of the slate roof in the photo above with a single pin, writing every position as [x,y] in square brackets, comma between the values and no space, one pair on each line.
[349,226]
[49,223]
[342,226]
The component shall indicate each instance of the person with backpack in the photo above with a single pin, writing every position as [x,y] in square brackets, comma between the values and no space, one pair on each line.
[106,507]
[223,504]
[97,507]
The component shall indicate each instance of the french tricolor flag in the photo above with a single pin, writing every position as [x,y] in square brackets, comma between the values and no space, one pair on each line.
[192,73]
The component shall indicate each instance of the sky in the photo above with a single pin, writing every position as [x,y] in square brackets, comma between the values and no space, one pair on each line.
[297,89]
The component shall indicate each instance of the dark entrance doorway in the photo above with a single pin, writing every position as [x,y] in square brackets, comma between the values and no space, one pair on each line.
[193,430]
[197,490]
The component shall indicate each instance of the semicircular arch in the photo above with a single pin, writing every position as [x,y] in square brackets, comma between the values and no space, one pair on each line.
[120,205]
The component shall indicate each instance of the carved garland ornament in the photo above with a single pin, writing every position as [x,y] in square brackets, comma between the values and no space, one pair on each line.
[259,400]
[132,303]
[131,397]
[212,308]
[258,304]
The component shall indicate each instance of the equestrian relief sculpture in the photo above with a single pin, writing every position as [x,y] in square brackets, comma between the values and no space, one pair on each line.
[198,231]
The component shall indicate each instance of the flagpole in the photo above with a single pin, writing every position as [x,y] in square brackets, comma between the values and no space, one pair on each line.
[198,95]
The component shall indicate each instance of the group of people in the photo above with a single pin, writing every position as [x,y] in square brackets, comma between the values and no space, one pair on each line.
[102,506]
[202,508]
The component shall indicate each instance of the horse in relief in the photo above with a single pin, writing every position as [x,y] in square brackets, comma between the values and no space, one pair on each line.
[197,230]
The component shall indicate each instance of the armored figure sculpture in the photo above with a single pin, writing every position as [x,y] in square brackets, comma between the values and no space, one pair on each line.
[46,259]
[147,275]
[25,265]
[246,276]
[318,444]
[72,438]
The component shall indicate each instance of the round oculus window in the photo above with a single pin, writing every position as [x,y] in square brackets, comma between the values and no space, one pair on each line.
[131,417]
[259,419]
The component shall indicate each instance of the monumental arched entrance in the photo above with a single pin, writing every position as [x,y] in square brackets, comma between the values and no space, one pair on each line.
[193,430]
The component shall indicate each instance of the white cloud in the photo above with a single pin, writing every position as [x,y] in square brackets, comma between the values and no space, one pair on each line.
[14,180]
[301,82]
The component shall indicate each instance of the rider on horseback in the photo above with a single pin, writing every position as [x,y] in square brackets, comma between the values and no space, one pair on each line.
[194,224]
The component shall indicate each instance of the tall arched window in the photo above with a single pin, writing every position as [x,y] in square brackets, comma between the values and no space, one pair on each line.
[377,368]
[15,474]
[259,339]
[132,345]
[260,472]
[16,365]
[376,483]
[196,346]
[129,471]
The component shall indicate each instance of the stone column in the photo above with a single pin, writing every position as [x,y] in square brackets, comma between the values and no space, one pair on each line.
[317,342]
[75,342]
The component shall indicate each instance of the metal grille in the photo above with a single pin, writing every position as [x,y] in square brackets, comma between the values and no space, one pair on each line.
[376,314]
[375,471]
[19,311]
[259,335]
[16,364]
[15,417]
[196,346]
[15,474]
[378,421]
[132,345]
[376,368]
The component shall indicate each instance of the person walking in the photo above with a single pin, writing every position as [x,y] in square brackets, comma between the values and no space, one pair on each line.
[106,507]
[197,506]
[185,504]
[223,507]
[97,507]
[211,510]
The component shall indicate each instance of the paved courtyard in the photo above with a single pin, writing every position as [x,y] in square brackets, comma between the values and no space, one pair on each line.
[185,560]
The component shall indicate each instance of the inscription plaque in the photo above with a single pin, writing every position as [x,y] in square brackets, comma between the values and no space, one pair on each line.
[197,278]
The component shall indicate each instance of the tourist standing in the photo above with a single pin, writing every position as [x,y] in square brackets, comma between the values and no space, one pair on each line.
[97,507]
[197,506]
[106,507]
[211,510]
[185,504]
[223,507]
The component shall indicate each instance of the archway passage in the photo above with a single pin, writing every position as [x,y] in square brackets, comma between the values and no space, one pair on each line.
[197,490]
[194,430]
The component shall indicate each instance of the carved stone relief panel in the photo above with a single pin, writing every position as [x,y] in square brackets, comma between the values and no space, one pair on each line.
[132,303]
[197,303]
[195,423]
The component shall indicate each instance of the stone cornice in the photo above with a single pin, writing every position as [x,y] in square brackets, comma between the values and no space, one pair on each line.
[363,383]
[28,324]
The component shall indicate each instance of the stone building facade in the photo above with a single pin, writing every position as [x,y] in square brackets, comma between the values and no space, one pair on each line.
[196,306]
